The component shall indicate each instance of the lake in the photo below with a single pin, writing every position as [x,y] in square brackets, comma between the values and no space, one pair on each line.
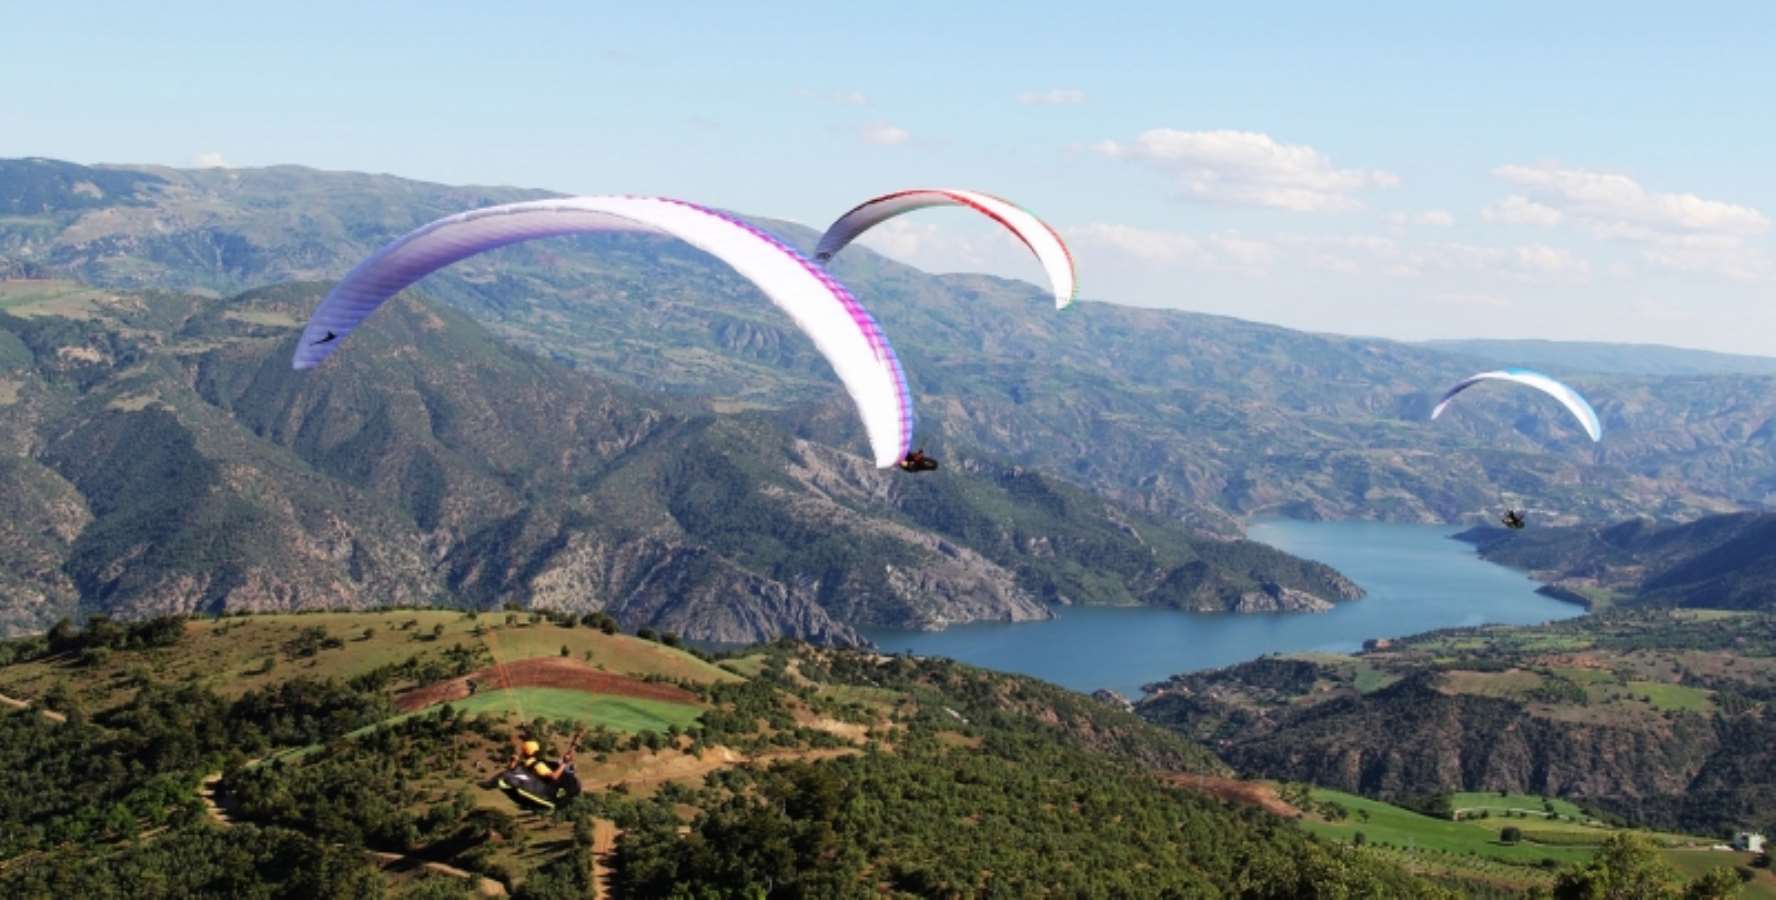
[1417,579]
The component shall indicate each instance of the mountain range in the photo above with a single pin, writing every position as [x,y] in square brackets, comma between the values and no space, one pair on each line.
[1202,418]
[621,418]
[164,458]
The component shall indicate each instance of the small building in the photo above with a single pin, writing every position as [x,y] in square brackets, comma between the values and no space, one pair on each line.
[1377,644]
[1748,841]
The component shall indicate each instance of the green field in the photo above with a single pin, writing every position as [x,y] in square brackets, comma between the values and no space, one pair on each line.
[1698,862]
[1470,848]
[50,298]
[1674,696]
[1395,827]
[229,655]
[1531,803]
[1369,679]
[628,714]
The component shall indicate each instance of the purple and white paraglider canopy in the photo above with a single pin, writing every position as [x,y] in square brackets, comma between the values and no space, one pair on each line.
[841,329]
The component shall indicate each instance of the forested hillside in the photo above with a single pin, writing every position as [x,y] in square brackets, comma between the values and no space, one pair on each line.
[792,770]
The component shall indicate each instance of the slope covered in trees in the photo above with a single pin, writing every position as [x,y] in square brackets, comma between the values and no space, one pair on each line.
[818,773]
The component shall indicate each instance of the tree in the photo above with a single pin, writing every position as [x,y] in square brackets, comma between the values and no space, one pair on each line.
[1627,867]
[1719,883]
[1511,834]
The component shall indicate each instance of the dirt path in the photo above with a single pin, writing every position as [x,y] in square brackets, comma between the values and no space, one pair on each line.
[485,887]
[1259,795]
[543,671]
[604,845]
[206,793]
[16,703]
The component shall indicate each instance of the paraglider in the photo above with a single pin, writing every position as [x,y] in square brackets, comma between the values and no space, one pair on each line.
[917,461]
[1568,397]
[529,779]
[1042,240]
[841,329]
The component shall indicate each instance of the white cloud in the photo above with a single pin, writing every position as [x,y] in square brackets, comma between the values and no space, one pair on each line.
[1355,255]
[884,133]
[1520,210]
[1543,258]
[1437,217]
[842,98]
[1248,168]
[1056,97]
[1617,203]
[1215,252]
[1677,231]
[210,160]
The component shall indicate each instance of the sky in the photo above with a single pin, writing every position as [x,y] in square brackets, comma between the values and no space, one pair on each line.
[1583,171]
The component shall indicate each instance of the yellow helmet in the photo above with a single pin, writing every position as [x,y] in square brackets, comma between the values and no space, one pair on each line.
[532,748]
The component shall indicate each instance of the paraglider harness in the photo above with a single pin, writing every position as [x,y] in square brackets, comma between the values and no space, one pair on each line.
[527,787]
[1513,519]
[917,461]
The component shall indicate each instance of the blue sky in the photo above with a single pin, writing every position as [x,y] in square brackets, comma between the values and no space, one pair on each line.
[1596,171]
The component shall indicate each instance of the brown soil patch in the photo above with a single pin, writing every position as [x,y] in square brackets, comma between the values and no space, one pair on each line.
[555,672]
[1259,795]
[15,703]
[604,846]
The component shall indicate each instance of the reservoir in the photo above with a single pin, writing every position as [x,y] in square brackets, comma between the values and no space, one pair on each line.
[1417,579]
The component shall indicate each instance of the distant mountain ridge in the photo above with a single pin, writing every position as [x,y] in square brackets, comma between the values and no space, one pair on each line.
[1201,418]
[1609,359]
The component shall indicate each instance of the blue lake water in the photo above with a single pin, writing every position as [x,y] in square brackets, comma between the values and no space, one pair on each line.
[1417,579]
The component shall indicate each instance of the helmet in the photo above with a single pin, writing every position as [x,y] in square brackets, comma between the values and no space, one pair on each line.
[532,748]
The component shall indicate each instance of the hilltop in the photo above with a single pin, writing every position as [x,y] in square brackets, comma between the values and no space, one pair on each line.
[830,773]
[1196,417]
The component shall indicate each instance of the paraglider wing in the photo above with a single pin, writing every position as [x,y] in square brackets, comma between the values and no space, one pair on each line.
[1567,396]
[1042,240]
[843,331]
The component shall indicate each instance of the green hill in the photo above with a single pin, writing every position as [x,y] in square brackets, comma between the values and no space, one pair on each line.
[1716,562]
[1663,718]
[824,773]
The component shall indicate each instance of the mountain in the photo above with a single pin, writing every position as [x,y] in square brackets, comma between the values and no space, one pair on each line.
[1716,562]
[1612,359]
[1200,418]
[1664,718]
[162,457]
